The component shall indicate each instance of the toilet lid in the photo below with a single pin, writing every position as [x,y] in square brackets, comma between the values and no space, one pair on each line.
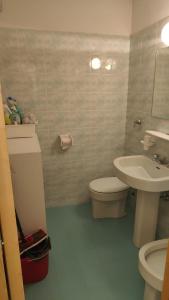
[108,185]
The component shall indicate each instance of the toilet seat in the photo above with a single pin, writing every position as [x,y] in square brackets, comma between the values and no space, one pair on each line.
[107,185]
[152,258]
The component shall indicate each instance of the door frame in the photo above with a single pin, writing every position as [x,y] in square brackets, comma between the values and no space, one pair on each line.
[165,291]
[3,284]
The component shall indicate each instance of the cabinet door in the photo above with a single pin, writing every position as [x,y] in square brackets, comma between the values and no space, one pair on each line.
[28,191]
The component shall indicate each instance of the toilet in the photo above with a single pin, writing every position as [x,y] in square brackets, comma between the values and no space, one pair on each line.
[152,257]
[108,197]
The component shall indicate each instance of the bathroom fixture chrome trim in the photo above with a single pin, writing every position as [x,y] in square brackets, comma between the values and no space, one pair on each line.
[1,243]
[161,160]
[137,122]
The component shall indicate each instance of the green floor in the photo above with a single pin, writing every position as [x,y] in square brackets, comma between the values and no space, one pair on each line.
[90,260]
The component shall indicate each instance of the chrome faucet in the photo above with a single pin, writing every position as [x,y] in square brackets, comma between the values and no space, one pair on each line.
[161,160]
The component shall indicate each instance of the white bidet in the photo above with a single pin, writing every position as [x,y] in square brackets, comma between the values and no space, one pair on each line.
[152,257]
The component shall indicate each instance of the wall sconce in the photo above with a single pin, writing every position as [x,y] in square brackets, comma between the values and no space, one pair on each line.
[95,63]
[110,64]
[165,34]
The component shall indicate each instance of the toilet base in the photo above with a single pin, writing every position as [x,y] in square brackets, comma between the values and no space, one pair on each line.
[150,293]
[110,209]
[108,197]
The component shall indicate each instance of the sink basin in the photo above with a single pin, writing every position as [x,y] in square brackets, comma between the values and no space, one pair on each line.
[149,178]
[142,173]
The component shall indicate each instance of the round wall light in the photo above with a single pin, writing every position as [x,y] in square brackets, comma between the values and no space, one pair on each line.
[95,63]
[165,34]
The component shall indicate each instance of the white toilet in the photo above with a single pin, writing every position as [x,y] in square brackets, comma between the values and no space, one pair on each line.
[152,257]
[108,197]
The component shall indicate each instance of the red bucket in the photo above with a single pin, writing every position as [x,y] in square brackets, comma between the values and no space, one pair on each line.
[34,270]
[34,251]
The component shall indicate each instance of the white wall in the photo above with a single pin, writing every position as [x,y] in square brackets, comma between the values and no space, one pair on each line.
[147,12]
[89,16]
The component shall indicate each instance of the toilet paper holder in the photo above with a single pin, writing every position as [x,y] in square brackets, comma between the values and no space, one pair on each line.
[65,141]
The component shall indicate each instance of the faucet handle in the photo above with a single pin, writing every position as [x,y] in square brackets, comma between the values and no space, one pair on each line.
[161,160]
[165,161]
[156,156]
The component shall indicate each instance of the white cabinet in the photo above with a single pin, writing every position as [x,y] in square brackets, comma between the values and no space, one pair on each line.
[27,178]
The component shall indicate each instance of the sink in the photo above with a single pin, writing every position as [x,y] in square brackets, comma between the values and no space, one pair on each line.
[149,178]
[140,172]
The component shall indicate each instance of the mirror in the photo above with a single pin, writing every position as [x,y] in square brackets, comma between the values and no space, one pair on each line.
[160,107]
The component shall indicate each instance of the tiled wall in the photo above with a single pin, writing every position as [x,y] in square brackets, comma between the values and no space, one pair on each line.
[144,45]
[50,76]
[161,84]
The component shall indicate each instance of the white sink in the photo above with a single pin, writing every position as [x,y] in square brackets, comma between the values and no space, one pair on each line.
[142,173]
[149,178]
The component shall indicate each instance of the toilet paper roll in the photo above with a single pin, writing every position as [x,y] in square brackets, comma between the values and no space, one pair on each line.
[65,141]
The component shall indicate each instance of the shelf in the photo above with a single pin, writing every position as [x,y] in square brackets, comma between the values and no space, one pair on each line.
[158,134]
